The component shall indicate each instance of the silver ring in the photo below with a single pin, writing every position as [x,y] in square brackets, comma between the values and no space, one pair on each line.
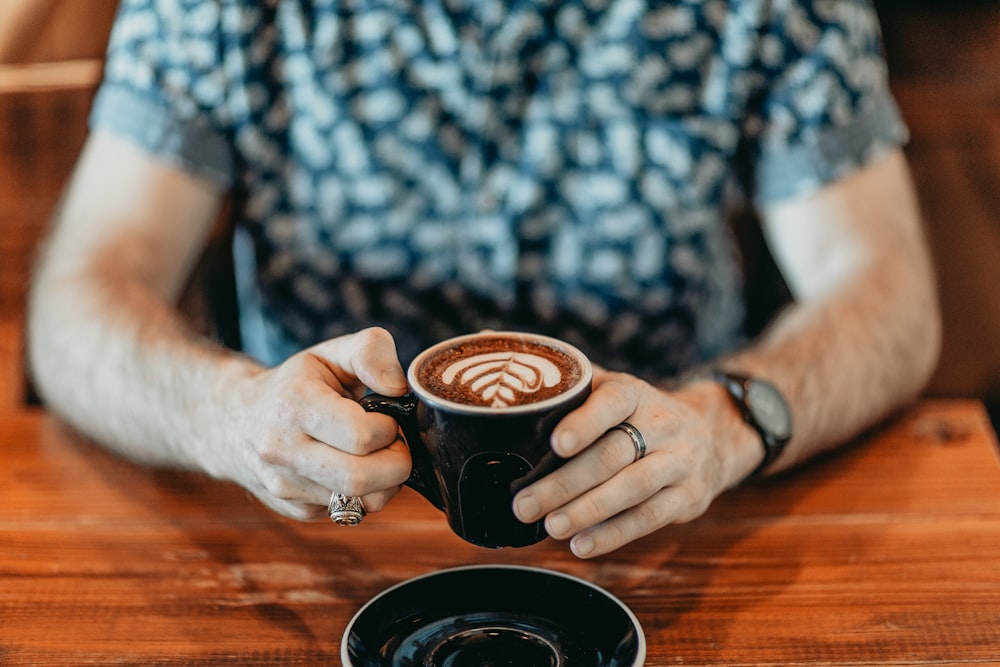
[346,510]
[638,441]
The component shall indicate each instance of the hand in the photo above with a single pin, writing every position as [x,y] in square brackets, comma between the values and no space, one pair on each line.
[301,434]
[600,498]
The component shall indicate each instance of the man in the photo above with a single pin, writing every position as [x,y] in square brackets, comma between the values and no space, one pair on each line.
[399,175]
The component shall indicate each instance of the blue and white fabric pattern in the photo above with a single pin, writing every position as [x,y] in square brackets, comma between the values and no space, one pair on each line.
[440,166]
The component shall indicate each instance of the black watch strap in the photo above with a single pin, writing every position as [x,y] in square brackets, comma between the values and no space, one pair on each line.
[738,388]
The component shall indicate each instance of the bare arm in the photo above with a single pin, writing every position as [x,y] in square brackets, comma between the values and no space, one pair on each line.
[109,351]
[860,340]
[101,319]
[864,334]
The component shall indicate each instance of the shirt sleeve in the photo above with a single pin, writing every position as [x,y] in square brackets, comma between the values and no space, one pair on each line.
[164,85]
[826,109]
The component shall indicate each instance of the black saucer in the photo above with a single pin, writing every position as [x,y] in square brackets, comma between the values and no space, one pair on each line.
[492,616]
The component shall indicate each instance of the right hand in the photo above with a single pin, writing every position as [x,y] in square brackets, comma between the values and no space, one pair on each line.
[300,433]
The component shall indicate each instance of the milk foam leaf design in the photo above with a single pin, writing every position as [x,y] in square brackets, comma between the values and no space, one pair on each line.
[499,378]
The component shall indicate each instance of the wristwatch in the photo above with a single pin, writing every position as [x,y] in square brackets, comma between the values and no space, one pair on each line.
[763,408]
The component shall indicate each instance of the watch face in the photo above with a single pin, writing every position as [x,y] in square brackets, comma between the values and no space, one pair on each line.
[769,409]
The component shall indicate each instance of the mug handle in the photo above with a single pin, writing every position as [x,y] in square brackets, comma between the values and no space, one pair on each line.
[404,410]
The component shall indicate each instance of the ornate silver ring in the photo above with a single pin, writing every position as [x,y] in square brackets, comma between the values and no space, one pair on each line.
[638,441]
[346,510]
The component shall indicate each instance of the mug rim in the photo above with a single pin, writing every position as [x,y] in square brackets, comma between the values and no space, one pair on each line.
[428,397]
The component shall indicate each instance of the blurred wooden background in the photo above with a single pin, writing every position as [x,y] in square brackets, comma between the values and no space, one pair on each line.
[945,64]
[944,60]
[50,59]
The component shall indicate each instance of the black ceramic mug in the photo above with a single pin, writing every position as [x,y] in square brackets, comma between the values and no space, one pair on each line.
[478,421]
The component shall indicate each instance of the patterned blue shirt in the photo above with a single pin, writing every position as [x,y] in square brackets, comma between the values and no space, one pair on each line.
[441,166]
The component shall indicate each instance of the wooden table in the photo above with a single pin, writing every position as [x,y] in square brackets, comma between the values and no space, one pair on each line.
[887,553]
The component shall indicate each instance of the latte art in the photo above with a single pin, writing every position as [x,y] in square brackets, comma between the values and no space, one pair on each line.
[503,378]
[498,370]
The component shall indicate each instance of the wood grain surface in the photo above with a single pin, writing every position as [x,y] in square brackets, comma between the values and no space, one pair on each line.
[886,553]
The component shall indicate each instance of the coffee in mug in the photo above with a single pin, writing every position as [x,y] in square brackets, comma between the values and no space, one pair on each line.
[498,371]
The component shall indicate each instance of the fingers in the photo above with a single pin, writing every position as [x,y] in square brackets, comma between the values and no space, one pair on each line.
[673,504]
[342,423]
[354,475]
[632,486]
[335,470]
[614,399]
[593,466]
[368,356]
[595,452]
[298,482]
[316,392]
[602,498]
[357,362]
[310,436]
[643,497]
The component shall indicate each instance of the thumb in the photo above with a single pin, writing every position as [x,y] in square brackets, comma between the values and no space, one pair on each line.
[367,356]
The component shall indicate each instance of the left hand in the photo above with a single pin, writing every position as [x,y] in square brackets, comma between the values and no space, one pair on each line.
[601,498]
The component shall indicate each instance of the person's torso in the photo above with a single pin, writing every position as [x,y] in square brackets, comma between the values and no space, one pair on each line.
[437,167]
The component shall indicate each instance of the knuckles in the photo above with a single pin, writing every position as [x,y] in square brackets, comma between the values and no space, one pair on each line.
[278,485]
[653,514]
[354,482]
[373,337]
[644,482]
[273,451]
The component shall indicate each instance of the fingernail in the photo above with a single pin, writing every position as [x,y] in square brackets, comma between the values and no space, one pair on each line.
[526,508]
[582,545]
[557,525]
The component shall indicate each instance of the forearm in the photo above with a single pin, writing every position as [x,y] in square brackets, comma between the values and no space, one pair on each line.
[143,383]
[846,362]
[863,335]
[107,349]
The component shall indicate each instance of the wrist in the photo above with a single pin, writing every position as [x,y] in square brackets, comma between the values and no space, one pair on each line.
[223,415]
[763,408]
[737,445]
